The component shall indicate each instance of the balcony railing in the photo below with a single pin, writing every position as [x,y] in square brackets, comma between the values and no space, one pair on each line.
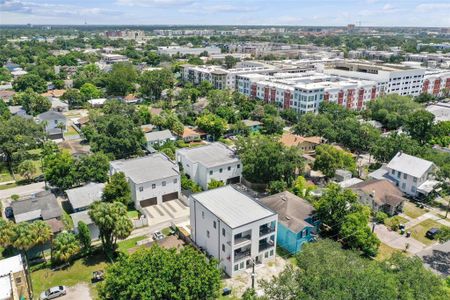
[266,245]
[242,239]
[266,230]
[241,255]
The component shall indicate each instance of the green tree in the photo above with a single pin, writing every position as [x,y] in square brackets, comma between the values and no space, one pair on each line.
[213,184]
[444,234]
[5,75]
[424,98]
[32,102]
[419,125]
[27,169]
[154,82]
[329,159]
[42,231]
[276,186]
[162,274]
[84,236]
[6,233]
[30,81]
[88,74]
[74,98]
[24,237]
[212,124]
[265,159]
[230,61]
[4,110]
[386,147]
[93,168]
[90,91]
[153,58]
[120,81]
[113,223]
[64,246]
[302,187]
[273,125]
[117,189]
[60,170]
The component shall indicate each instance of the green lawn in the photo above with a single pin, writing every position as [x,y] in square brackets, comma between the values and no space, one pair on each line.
[389,221]
[385,252]
[5,175]
[286,255]
[166,231]
[123,246]
[70,131]
[412,211]
[133,214]
[8,186]
[418,231]
[80,271]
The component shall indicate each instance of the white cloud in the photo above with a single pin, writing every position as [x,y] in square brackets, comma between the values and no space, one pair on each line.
[154,3]
[432,7]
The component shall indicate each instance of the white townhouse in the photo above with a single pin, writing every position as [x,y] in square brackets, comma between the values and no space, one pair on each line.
[412,175]
[153,179]
[213,161]
[234,228]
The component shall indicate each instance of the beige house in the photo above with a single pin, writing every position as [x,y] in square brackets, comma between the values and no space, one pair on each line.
[306,144]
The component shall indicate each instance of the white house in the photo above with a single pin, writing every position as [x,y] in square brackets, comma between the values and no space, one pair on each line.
[159,137]
[55,123]
[234,228]
[412,175]
[153,179]
[213,161]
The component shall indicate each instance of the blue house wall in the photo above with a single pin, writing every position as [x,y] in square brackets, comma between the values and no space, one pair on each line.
[293,242]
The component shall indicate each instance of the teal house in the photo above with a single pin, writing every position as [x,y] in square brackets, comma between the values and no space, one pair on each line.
[297,222]
[252,125]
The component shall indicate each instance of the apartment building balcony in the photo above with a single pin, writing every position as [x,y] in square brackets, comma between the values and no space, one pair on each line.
[242,253]
[266,229]
[265,244]
[243,238]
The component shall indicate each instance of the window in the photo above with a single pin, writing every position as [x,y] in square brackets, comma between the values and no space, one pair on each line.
[203,214]
[210,172]
[392,172]
[153,186]
[207,233]
[163,183]
[415,179]
[141,189]
[236,267]
[175,180]
[214,224]
[223,231]
[403,185]
[405,175]
[242,265]
[238,166]
[413,189]
[229,168]
[271,252]
[266,255]
[223,247]
[220,170]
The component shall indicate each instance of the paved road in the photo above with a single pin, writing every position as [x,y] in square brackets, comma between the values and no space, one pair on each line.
[23,190]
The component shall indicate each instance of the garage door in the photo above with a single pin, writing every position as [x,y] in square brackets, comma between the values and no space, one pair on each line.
[148,202]
[236,179]
[171,196]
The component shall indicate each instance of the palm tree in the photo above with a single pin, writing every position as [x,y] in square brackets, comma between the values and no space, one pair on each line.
[6,232]
[27,169]
[64,246]
[43,233]
[61,126]
[24,238]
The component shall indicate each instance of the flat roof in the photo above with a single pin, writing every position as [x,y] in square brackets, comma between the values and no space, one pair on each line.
[12,264]
[147,168]
[211,155]
[231,206]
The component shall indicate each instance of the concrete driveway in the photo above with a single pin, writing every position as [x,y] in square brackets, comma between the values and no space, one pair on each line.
[397,241]
[77,292]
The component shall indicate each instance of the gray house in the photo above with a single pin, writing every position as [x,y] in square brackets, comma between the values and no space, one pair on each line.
[158,138]
[55,123]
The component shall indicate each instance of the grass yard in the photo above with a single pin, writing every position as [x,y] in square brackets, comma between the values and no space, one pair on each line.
[5,175]
[70,131]
[418,231]
[8,186]
[166,231]
[80,271]
[123,246]
[389,221]
[286,255]
[412,211]
[133,214]
[385,252]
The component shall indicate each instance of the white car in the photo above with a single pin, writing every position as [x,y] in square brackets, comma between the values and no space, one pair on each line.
[54,292]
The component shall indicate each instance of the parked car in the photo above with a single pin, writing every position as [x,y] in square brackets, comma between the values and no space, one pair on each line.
[9,213]
[97,276]
[432,233]
[157,235]
[54,292]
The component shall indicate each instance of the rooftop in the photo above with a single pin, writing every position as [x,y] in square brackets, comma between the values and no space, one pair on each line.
[155,136]
[292,210]
[12,264]
[147,168]
[43,205]
[85,195]
[382,190]
[211,155]
[51,115]
[289,139]
[409,164]
[81,216]
[231,206]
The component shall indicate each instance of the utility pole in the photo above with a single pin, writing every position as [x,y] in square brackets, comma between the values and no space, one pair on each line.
[253,274]
[448,206]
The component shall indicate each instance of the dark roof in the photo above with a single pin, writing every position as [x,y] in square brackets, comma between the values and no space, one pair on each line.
[51,115]
[382,190]
[292,210]
[43,205]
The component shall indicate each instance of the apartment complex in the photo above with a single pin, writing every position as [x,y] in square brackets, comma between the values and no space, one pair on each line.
[13,279]
[234,228]
[153,179]
[215,161]
[174,50]
[436,83]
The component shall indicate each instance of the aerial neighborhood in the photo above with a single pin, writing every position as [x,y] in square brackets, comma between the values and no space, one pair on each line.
[224,162]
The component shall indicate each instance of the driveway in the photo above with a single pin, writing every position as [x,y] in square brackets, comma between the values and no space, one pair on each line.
[397,241]
[77,292]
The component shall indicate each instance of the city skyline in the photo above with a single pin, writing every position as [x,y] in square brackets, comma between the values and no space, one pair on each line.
[211,12]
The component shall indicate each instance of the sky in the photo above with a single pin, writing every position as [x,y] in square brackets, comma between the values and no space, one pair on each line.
[426,13]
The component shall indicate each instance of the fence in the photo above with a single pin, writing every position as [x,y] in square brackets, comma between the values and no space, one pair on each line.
[141,222]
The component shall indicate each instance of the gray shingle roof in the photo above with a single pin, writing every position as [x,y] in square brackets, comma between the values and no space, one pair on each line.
[147,168]
[232,207]
[51,115]
[410,165]
[211,155]
[292,210]
[81,216]
[43,205]
[156,136]
[85,195]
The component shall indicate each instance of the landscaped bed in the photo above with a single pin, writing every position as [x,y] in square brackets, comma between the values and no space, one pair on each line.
[418,232]
[396,219]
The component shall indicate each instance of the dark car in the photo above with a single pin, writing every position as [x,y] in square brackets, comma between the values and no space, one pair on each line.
[431,234]
[9,213]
